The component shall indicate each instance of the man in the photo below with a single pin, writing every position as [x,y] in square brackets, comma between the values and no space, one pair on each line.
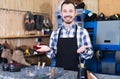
[69,41]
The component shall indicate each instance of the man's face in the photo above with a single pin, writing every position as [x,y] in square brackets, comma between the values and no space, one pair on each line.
[68,13]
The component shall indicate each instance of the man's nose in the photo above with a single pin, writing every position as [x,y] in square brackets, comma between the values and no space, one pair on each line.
[67,13]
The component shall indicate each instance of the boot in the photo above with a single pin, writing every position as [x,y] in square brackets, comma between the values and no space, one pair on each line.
[7,45]
[27,21]
[19,57]
[6,53]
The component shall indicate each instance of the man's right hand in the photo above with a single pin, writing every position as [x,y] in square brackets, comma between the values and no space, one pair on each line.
[43,48]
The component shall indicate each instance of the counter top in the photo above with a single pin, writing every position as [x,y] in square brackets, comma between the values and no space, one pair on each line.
[33,72]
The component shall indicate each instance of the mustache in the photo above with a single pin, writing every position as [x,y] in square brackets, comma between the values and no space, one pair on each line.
[67,16]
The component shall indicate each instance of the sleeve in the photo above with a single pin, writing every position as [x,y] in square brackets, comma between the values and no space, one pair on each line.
[52,45]
[87,42]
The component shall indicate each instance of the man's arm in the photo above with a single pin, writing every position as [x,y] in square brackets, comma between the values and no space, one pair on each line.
[85,48]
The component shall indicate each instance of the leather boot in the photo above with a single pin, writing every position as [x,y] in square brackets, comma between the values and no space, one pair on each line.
[19,57]
[32,22]
[7,55]
[27,21]
[39,22]
[7,45]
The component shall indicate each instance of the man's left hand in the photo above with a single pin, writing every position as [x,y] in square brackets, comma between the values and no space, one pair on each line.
[82,49]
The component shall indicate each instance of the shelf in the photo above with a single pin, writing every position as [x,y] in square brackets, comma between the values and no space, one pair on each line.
[40,54]
[23,36]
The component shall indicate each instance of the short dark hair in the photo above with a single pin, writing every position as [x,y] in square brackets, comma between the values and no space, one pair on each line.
[67,2]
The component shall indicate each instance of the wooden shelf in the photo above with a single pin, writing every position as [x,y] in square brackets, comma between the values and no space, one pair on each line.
[23,36]
[40,54]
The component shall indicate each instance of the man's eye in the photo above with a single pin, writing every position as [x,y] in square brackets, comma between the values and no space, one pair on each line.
[70,10]
[64,11]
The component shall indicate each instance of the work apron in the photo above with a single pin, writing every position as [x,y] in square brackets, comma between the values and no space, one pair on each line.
[67,56]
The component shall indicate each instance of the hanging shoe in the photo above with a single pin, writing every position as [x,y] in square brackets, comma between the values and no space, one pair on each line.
[27,21]
[39,22]
[32,22]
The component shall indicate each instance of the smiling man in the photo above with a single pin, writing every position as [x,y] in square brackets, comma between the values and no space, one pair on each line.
[69,41]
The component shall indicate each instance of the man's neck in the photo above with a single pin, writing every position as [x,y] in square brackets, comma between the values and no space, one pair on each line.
[68,25]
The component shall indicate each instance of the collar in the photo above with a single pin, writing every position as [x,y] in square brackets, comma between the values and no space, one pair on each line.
[70,27]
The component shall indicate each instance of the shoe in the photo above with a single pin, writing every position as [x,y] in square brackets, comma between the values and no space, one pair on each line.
[7,46]
[6,54]
[32,22]
[39,22]
[5,67]
[1,49]
[15,67]
[27,21]
[12,67]
[18,57]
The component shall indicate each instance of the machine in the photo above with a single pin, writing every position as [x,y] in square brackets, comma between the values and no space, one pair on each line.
[105,37]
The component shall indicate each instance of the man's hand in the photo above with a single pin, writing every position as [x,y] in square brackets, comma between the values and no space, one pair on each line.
[43,48]
[82,49]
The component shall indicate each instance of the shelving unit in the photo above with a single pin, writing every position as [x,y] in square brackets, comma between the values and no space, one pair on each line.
[13,31]
[23,36]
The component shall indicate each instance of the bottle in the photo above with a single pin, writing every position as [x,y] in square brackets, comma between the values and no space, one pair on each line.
[82,72]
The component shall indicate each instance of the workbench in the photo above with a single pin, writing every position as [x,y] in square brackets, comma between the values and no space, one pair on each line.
[39,73]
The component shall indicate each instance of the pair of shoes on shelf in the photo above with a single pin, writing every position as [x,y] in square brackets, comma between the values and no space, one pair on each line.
[29,21]
[16,56]
[12,67]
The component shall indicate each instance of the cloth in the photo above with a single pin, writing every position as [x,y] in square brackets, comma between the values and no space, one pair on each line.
[82,39]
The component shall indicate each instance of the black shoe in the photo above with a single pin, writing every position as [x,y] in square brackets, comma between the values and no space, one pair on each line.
[14,67]
[27,21]
[5,67]
[32,22]
[39,22]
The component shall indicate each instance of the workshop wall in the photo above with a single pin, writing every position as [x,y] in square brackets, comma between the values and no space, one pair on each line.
[92,5]
[43,6]
[12,22]
[109,7]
